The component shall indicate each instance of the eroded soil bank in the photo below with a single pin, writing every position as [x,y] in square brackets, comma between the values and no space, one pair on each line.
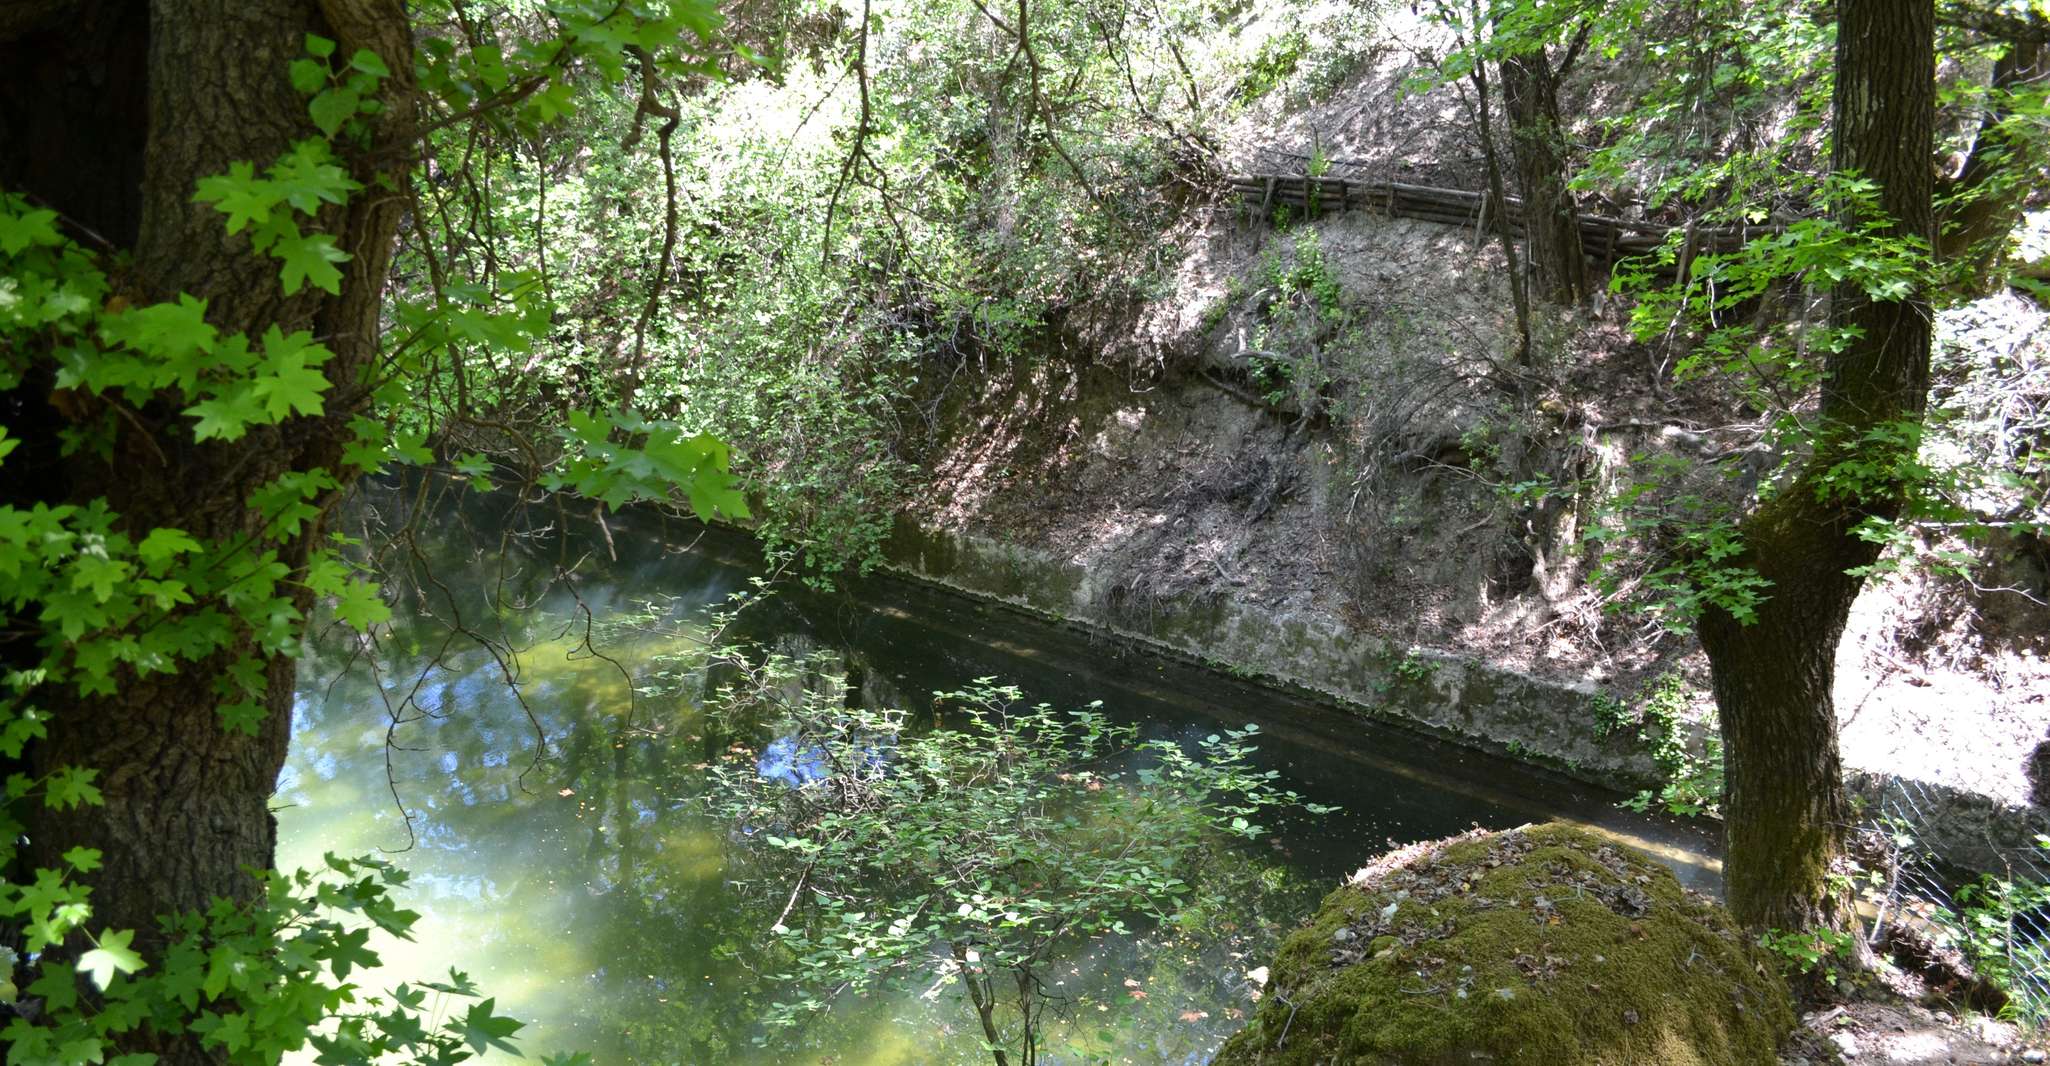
[1294,466]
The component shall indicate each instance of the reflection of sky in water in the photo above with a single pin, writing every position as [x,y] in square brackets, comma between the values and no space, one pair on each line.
[590,897]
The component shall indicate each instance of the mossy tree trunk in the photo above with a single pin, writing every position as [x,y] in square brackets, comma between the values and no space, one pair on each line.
[120,109]
[1785,813]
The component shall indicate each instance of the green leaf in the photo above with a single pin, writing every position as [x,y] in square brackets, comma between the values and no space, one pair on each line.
[308,177]
[83,859]
[369,444]
[482,1030]
[308,76]
[410,446]
[240,195]
[71,786]
[348,952]
[332,108]
[242,716]
[163,543]
[223,964]
[58,987]
[227,416]
[18,232]
[288,383]
[113,955]
[477,468]
[319,46]
[173,332]
[368,62]
[310,258]
[361,607]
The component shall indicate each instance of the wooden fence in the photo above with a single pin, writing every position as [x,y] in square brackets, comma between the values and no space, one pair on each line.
[1607,240]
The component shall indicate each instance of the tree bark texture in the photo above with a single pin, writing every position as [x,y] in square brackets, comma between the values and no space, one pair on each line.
[1551,218]
[1784,813]
[185,88]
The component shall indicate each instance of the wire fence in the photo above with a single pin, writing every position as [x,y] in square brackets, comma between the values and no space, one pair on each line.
[1969,876]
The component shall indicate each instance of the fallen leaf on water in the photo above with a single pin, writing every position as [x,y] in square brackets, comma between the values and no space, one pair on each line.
[567,792]
[1129,983]
[1195,1015]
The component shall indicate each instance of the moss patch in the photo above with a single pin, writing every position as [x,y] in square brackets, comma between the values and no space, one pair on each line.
[1542,946]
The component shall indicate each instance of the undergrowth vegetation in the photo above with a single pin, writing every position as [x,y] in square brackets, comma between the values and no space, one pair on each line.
[975,846]
[846,233]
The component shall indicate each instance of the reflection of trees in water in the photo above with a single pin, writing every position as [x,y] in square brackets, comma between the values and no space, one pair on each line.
[589,866]
[980,853]
[638,923]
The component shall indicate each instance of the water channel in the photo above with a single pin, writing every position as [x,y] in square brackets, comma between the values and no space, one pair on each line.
[581,882]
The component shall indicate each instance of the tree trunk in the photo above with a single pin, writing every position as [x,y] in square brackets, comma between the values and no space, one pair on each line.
[1784,813]
[1783,808]
[1496,208]
[186,801]
[1551,221]
[1984,201]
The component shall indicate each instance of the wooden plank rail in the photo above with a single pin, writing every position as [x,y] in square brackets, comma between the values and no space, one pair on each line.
[1607,240]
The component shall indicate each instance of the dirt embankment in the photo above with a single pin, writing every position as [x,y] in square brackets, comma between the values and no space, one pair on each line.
[1311,458]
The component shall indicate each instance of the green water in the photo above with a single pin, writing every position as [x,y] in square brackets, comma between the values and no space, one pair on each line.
[561,858]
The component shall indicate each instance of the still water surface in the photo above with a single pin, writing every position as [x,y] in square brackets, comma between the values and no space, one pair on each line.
[561,858]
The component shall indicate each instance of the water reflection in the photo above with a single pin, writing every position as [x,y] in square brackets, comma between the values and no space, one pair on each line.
[545,789]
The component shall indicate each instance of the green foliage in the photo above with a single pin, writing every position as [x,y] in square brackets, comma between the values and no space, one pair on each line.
[98,603]
[1273,64]
[1732,123]
[538,325]
[1996,924]
[1303,332]
[838,238]
[1694,777]
[1776,360]
[662,461]
[253,982]
[977,847]
[1306,273]
[1687,516]
[1824,953]
[1415,669]
[1688,520]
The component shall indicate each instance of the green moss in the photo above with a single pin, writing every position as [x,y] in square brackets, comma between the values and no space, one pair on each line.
[1541,946]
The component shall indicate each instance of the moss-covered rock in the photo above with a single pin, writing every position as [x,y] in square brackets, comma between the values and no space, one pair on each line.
[1541,945]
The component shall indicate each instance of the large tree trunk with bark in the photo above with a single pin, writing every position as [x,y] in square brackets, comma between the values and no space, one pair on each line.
[1551,220]
[125,108]
[1784,813]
